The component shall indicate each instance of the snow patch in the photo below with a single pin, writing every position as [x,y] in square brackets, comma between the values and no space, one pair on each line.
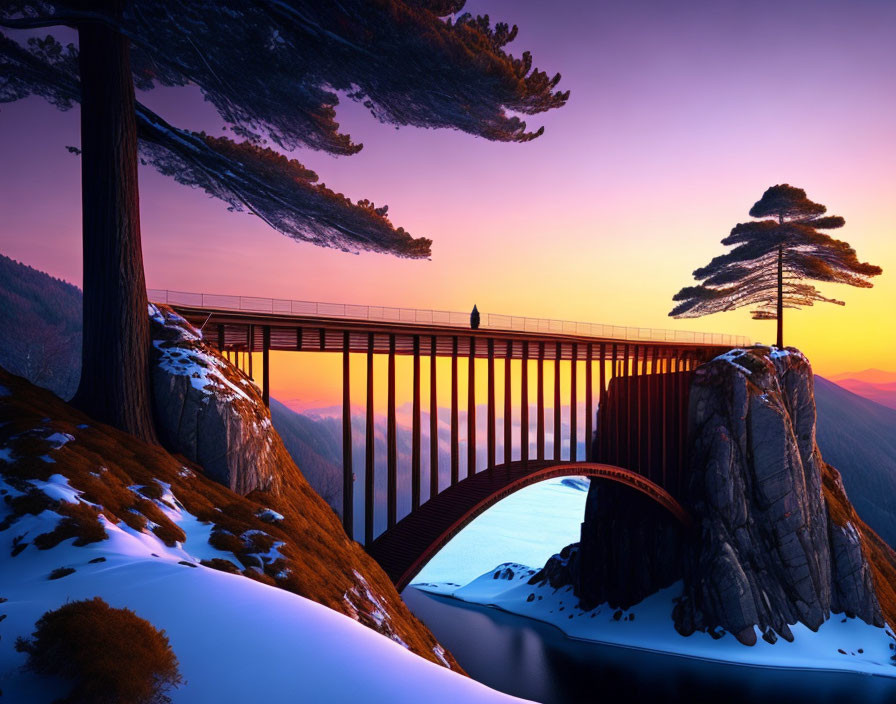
[730,356]
[58,440]
[269,515]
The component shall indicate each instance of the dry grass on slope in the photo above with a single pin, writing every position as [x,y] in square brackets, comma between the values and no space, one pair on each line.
[881,557]
[122,475]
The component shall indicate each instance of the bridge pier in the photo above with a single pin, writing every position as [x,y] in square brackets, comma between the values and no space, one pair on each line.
[369,485]
[433,423]
[589,410]
[573,404]
[558,427]
[508,418]
[471,409]
[348,476]
[524,405]
[491,403]
[539,432]
[415,430]
[266,364]
[454,416]
[391,442]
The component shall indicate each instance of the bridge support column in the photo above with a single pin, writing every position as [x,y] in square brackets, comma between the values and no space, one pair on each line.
[251,349]
[573,404]
[433,422]
[627,371]
[471,409]
[558,431]
[635,419]
[415,430]
[454,420]
[649,413]
[369,437]
[589,405]
[602,427]
[391,444]
[491,404]
[524,405]
[348,477]
[508,418]
[664,390]
[617,432]
[221,339]
[539,432]
[266,364]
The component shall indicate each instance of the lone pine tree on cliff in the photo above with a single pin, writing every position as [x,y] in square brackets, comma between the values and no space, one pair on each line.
[771,260]
[272,69]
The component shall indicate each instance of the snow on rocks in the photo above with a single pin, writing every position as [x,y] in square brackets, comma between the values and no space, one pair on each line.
[269,515]
[366,607]
[734,357]
[205,412]
[181,358]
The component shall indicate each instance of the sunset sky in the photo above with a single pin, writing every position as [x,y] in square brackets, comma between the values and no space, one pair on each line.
[681,115]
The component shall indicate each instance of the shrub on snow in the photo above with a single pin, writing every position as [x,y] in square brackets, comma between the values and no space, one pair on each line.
[110,655]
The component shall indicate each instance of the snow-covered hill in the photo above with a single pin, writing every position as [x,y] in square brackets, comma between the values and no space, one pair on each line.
[237,639]
[263,597]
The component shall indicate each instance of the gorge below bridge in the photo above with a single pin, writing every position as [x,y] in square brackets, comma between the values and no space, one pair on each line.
[637,378]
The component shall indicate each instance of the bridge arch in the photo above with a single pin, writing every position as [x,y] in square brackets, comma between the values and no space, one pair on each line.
[404,549]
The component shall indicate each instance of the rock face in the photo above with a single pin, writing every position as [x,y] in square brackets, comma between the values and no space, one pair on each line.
[767,552]
[207,410]
[630,547]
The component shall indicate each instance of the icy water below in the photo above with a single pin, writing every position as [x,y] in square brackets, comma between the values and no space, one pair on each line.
[533,660]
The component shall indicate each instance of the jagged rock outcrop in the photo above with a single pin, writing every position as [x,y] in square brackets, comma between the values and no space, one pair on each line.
[767,553]
[207,410]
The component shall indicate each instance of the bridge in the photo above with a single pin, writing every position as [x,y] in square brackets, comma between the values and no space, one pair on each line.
[638,438]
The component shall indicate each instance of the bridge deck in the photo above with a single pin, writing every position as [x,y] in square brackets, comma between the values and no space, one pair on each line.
[405,548]
[244,310]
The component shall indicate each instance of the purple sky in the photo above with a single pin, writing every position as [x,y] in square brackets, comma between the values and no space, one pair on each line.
[681,114]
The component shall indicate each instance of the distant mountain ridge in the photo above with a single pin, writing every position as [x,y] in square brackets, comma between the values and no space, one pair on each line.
[858,437]
[40,327]
[877,385]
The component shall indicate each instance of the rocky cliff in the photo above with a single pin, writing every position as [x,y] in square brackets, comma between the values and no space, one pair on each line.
[767,553]
[775,540]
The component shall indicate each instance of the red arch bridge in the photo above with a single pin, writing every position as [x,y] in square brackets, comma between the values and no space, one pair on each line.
[638,378]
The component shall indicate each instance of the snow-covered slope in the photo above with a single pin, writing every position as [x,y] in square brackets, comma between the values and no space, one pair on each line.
[237,639]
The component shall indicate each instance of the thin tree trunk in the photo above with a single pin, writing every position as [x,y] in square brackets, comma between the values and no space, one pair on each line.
[780,297]
[115,384]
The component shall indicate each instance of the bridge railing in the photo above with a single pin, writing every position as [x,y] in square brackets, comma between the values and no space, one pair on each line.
[494,321]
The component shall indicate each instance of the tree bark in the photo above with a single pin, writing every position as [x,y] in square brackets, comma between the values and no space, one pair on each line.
[115,384]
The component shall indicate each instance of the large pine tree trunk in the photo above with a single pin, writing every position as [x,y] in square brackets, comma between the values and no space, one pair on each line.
[115,385]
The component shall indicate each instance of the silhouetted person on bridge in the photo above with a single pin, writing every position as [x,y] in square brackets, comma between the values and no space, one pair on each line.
[474,318]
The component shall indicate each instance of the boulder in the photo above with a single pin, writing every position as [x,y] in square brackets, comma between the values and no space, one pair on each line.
[208,410]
